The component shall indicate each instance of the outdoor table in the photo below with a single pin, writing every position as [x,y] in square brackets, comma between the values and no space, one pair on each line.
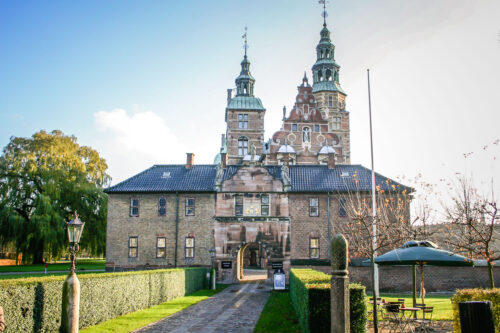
[407,320]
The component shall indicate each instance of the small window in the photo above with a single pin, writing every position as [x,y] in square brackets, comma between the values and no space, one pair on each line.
[294,127]
[243,121]
[336,123]
[190,206]
[316,128]
[132,247]
[313,207]
[161,246]
[342,208]
[264,205]
[330,101]
[134,207]
[242,146]
[162,206]
[238,205]
[314,247]
[189,247]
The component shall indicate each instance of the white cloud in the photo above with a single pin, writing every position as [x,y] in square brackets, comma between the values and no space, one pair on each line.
[131,143]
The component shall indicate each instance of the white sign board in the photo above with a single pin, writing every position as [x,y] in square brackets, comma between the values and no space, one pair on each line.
[279,281]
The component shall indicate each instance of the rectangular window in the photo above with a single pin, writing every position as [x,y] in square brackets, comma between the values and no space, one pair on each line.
[336,123]
[264,205]
[242,147]
[316,128]
[330,101]
[190,206]
[238,205]
[162,206]
[132,247]
[314,247]
[189,247]
[294,127]
[243,121]
[161,246]
[342,208]
[313,207]
[134,207]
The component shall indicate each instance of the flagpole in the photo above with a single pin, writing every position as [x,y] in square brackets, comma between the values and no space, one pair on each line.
[374,204]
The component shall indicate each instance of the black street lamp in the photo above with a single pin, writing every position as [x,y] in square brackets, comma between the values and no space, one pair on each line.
[75,229]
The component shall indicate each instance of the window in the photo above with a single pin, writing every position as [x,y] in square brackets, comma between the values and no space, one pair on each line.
[330,101]
[294,127]
[314,247]
[316,128]
[264,205]
[242,146]
[134,207]
[306,134]
[162,206]
[336,123]
[238,205]
[189,247]
[342,210]
[132,247]
[243,121]
[190,206]
[161,245]
[313,207]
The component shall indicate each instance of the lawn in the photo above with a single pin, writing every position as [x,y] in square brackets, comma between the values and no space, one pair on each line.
[141,318]
[278,315]
[59,266]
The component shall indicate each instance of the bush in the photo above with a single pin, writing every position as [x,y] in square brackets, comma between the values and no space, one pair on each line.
[464,295]
[34,304]
[310,293]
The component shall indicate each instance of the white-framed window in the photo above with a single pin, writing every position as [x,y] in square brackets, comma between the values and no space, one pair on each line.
[189,247]
[243,121]
[242,146]
[162,206]
[133,245]
[294,127]
[190,205]
[306,133]
[161,247]
[316,128]
[264,205]
[313,207]
[314,247]
[134,207]
[238,205]
[336,123]
[330,101]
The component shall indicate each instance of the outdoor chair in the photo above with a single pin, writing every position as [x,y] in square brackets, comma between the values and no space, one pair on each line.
[425,323]
[419,305]
[392,317]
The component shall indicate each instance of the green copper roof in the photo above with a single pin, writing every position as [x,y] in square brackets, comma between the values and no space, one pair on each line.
[327,86]
[245,103]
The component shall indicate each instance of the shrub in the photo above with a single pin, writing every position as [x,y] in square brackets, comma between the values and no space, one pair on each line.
[34,304]
[310,293]
[464,295]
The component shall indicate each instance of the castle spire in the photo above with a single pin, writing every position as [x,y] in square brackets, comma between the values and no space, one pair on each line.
[245,81]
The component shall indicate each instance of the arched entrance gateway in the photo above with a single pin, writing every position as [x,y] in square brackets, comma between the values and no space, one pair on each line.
[251,262]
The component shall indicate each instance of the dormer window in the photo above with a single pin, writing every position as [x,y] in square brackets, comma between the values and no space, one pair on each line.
[316,128]
[294,127]
[242,146]
[264,205]
[243,121]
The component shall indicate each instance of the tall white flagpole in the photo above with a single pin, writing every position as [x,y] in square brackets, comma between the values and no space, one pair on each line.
[374,203]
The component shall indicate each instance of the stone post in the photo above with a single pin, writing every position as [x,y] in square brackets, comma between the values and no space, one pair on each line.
[70,304]
[339,294]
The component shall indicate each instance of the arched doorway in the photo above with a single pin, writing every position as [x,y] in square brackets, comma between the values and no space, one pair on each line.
[251,263]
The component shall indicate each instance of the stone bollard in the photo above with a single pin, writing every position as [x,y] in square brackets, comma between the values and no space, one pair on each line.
[70,305]
[339,293]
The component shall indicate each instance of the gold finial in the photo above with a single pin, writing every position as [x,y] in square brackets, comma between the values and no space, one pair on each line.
[324,13]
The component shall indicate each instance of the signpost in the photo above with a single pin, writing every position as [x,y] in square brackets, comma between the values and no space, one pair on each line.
[226,264]
[278,276]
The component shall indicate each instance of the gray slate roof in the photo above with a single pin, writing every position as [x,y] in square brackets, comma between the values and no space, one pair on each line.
[201,178]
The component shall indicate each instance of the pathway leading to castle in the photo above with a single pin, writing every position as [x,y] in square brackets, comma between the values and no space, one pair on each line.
[235,309]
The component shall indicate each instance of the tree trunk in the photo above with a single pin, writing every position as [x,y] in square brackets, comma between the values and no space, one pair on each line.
[490,274]
[375,314]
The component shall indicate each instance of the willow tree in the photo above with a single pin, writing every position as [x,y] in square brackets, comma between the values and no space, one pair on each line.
[44,179]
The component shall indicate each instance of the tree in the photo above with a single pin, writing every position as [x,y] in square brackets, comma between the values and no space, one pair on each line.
[43,181]
[474,224]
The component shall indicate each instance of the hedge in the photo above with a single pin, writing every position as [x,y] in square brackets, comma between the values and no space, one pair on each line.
[310,293]
[464,295]
[34,304]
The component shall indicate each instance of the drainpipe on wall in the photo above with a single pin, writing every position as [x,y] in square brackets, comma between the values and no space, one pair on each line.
[329,233]
[176,227]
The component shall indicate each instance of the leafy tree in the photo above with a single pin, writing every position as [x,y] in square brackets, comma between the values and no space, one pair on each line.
[43,181]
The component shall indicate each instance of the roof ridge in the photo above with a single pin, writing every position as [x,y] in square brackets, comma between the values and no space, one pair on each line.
[130,178]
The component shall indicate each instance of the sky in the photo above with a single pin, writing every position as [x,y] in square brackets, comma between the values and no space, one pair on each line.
[145,82]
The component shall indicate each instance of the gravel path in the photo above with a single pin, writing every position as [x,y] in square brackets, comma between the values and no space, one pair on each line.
[235,309]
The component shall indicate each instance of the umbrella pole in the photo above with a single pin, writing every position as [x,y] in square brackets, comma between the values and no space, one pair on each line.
[414,284]
[422,291]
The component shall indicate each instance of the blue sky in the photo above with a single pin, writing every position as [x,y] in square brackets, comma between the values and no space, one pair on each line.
[145,82]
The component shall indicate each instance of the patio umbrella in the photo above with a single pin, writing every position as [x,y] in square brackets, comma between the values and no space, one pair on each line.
[422,253]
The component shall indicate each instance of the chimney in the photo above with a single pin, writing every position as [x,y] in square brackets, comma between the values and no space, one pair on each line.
[331,160]
[229,95]
[189,160]
[223,158]
[222,142]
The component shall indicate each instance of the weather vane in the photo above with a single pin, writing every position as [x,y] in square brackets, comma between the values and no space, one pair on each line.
[246,43]
[324,13]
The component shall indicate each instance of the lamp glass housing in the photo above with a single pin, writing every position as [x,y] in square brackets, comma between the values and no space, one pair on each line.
[75,229]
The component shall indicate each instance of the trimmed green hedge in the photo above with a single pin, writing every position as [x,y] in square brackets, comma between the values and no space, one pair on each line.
[309,262]
[464,295]
[310,293]
[34,304]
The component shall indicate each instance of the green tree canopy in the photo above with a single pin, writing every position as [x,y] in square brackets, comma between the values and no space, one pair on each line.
[43,181]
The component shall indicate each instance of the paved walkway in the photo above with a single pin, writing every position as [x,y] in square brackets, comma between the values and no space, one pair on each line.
[235,309]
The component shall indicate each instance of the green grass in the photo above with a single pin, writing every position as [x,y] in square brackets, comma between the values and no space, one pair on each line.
[59,266]
[278,315]
[441,303]
[141,318]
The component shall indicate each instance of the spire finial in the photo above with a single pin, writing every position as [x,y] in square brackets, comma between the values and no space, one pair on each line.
[246,42]
[324,13]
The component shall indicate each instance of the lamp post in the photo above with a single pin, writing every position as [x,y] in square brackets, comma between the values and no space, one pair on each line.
[212,269]
[71,287]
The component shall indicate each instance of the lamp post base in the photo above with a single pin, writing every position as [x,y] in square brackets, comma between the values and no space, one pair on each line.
[70,304]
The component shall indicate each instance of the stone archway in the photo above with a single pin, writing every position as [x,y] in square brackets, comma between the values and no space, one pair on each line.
[249,263]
